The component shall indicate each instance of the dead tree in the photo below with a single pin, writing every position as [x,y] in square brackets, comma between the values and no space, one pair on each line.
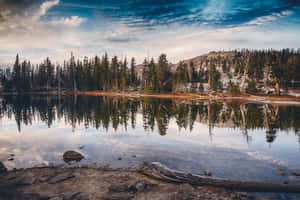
[162,173]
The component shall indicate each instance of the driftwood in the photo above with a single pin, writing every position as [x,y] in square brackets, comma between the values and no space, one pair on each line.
[160,172]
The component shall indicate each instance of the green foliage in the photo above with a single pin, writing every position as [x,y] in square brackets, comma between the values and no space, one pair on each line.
[201,88]
[251,88]
[233,88]
[282,67]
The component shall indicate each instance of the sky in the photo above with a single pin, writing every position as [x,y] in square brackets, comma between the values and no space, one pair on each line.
[143,28]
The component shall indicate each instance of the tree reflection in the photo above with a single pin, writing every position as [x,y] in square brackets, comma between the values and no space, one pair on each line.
[106,112]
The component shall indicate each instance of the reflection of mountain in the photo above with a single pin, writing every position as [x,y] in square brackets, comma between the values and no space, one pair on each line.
[106,111]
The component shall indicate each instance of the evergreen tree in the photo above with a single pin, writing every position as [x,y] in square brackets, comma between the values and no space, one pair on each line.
[133,76]
[16,76]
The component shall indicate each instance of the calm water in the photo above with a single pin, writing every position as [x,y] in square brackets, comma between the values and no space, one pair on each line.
[233,140]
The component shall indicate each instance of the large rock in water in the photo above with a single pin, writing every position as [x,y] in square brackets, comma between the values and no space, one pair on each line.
[2,168]
[72,157]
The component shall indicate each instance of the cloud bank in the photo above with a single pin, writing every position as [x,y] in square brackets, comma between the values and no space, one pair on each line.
[140,28]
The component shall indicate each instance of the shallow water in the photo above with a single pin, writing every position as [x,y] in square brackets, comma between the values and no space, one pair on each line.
[233,140]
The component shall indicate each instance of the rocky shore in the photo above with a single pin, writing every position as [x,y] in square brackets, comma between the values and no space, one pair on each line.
[83,183]
[149,181]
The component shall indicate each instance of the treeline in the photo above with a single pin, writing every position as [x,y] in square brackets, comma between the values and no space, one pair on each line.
[87,74]
[114,113]
[233,72]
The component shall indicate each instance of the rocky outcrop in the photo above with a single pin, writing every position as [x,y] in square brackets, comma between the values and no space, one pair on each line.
[60,183]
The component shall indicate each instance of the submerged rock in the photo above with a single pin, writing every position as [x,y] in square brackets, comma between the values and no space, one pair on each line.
[3,169]
[280,169]
[295,173]
[71,157]
[281,173]
[207,173]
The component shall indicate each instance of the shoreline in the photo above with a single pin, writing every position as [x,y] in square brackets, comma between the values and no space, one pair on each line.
[197,97]
[104,182]
[247,98]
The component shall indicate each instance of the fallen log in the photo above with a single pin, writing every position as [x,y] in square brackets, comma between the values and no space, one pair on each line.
[162,173]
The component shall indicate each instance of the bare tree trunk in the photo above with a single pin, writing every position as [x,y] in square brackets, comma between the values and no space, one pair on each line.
[162,173]
[266,118]
[277,87]
[47,87]
[209,77]
[244,128]
[242,87]
[209,120]
[59,84]
[266,74]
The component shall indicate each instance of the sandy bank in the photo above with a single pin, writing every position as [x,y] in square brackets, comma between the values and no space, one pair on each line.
[200,96]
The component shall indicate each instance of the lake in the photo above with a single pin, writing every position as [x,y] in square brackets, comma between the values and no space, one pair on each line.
[233,140]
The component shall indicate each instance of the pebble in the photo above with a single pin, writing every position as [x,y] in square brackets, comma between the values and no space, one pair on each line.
[296,173]
[207,173]
[119,158]
[281,173]
[140,185]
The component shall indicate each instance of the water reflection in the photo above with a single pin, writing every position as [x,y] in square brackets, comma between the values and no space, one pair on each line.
[115,112]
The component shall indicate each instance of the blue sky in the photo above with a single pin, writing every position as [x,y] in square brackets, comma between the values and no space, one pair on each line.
[143,28]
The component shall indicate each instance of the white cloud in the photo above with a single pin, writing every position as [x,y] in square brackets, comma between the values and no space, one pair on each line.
[72,21]
[269,18]
[34,34]
[46,6]
[41,35]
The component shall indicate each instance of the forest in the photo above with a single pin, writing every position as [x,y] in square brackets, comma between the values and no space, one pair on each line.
[235,72]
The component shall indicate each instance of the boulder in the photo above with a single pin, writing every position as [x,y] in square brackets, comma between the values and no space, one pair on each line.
[72,157]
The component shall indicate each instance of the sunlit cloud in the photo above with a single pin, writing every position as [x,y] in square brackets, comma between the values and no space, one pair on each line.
[181,29]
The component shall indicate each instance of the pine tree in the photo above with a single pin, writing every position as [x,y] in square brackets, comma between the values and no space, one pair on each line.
[16,74]
[146,75]
[194,76]
[123,75]
[133,76]
[115,72]
[163,73]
